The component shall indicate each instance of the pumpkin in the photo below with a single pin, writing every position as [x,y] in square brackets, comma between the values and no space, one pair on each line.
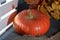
[31,22]
[32,1]
[11,17]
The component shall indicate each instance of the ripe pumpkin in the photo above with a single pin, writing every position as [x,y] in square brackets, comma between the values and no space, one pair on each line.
[31,22]
[11,17]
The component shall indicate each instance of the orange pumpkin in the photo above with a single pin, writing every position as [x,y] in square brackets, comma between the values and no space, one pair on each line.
[11,17]
[31,22]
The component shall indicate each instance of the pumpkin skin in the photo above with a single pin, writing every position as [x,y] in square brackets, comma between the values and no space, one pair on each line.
[11,17]
[34,27]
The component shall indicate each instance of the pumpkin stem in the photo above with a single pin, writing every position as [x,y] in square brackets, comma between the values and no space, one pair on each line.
[30,15]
